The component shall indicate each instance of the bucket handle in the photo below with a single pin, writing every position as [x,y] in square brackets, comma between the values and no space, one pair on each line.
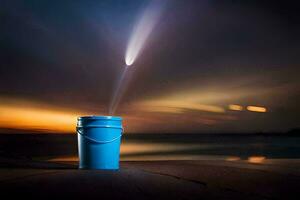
[97,141]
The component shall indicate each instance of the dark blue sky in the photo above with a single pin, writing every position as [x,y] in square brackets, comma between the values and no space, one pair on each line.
[70,54]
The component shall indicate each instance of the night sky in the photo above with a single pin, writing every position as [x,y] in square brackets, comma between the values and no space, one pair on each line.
[62,59]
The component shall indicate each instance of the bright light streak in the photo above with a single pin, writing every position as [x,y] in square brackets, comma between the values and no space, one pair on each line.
[235,107]
[119,91]
[179,105]
[139,36]
[142,30]
[256,109]
[42,120]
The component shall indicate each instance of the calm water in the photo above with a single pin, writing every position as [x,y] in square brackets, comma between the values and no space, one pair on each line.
[160,146]
[192,146]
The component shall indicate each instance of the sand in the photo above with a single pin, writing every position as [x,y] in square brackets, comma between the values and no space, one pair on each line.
[147,180]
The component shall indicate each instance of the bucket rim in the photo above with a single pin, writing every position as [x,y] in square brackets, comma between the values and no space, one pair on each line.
[100,117]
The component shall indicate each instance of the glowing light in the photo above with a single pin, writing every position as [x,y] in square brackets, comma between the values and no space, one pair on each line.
[256,159]
[119,91]
[142,31]
[179,105]
[256,109]
[235,107]
[42,120]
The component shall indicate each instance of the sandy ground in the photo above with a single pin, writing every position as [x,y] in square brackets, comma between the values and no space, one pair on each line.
[149,180]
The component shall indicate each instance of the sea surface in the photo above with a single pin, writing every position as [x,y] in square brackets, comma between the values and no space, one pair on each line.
[253,148]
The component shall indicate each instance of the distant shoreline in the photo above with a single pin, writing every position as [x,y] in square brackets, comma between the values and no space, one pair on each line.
[293,132]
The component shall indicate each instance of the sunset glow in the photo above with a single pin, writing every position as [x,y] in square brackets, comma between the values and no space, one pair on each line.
[140,116]
[163,66]
[157,99]
[37,119]
[177,105]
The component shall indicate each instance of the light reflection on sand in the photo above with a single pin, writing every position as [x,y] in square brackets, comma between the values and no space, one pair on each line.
[233,158]
[158,151]
[256,159]
[250,151]
[169,151]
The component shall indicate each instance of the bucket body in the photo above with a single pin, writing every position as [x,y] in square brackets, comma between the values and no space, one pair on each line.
[99,139]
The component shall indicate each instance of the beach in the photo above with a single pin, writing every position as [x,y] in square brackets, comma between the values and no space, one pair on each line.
[47,167]
[151,99]
[149,180]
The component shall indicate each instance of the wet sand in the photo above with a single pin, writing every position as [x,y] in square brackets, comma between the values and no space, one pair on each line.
[147,180]
[153,167]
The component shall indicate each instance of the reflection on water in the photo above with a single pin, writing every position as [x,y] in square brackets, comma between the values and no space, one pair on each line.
[252,149]
[233,158]
[256,159]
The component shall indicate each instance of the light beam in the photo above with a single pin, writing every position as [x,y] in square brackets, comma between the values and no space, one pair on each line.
[137,41]
[142,30]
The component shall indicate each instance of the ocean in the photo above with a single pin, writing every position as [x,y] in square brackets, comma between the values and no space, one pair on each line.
[253,148]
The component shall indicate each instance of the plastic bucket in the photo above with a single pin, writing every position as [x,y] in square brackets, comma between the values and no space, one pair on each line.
[99,139]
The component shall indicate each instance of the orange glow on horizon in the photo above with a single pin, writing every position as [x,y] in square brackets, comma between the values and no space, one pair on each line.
[156,116]
[44,120]
[256,109]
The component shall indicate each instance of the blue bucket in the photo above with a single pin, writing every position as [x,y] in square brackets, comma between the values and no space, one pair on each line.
[99,139]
